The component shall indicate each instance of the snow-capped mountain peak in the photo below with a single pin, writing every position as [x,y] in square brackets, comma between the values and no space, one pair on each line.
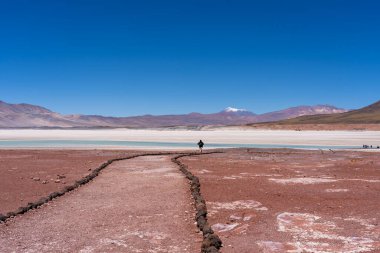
[232,109]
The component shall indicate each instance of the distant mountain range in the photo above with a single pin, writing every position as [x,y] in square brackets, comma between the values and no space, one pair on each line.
[366,115]
[32,116]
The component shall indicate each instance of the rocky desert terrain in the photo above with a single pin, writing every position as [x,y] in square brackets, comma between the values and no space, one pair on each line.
[257,200]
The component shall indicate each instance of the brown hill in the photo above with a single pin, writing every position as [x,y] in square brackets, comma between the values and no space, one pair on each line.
[367,115]
[298,111]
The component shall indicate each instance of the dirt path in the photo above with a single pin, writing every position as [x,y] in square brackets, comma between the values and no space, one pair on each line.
[138,205]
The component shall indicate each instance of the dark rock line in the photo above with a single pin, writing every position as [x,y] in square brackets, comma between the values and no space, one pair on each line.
[211,242]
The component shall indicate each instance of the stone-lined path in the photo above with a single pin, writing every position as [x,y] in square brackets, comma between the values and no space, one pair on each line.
[138,205]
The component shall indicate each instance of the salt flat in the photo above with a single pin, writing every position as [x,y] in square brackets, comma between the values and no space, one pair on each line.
[218,136]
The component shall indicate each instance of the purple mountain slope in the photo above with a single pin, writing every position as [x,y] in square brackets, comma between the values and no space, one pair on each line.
[32,116]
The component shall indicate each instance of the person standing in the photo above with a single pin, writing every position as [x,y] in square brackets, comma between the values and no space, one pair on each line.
[200,145]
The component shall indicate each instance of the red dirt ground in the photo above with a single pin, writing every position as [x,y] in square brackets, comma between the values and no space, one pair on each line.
[292,200]
[27,175]
[258,200]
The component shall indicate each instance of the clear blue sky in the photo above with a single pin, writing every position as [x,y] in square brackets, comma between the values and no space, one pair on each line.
[157,57]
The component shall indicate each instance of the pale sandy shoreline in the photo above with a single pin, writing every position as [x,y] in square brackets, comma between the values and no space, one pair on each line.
[218,136]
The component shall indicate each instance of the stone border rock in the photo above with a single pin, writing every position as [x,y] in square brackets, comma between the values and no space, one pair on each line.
[83,181]
[211,242]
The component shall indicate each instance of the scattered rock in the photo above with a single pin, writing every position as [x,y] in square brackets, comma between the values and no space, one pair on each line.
[57,181]
[44,182]
[36,178]
[60,176]
[2,218]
